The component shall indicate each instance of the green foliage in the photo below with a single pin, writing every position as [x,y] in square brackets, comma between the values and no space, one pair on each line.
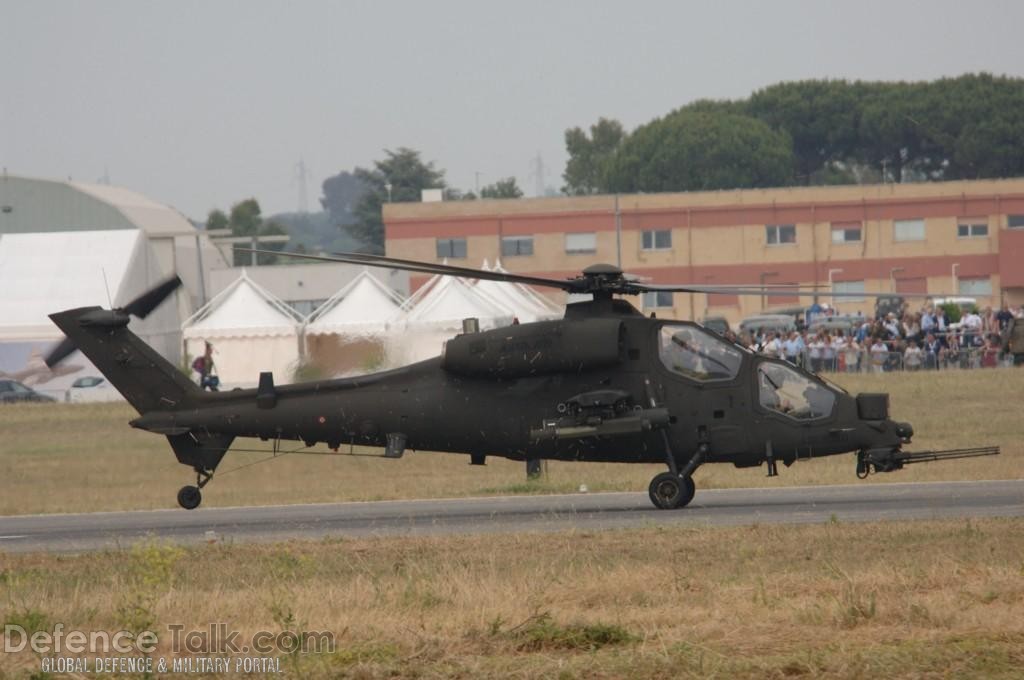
[503,188]
[697,150]
[342,193]
[29,618]
[316,232]
[307,370]
[820,116]
[148,574]
[400,178]
[953,312]
[836,131]
[246,219]
[540,633]
[586,169]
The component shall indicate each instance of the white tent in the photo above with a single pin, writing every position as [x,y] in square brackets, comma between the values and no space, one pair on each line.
[345,334]
[434,314]
[251,331]
[518,299]
[363,307]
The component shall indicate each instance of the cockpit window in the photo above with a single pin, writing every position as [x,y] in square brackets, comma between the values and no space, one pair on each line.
[696,354]
[783,389]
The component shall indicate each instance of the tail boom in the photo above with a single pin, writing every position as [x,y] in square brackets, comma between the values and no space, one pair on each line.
[147,380]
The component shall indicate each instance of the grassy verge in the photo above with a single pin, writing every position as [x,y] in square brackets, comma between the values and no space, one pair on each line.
[922,599]
[76,458]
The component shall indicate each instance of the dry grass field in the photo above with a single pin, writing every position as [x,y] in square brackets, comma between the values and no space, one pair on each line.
[914,600]
[70,458]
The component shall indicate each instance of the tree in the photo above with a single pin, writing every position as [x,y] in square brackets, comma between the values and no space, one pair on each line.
[695,150]
[217,220]
[399,178]
[822,118]
[341,196]
[978,122]
[246,220]
[503,188]
[586,169]
[892,116]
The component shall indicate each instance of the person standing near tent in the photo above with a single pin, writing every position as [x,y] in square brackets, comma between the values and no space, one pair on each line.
[204,367]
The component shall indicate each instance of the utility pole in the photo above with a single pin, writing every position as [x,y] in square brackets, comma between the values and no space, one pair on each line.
[537,173]
[301,174]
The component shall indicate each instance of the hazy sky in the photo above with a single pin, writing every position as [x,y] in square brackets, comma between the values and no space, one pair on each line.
[201,103]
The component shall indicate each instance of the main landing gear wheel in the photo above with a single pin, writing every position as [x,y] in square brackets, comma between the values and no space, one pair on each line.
[189,497]
[669,491]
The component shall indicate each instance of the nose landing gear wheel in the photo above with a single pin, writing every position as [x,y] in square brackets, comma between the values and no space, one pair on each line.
[669,491]
[189,497]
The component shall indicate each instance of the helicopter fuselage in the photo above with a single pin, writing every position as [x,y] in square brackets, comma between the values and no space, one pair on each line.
[596,388]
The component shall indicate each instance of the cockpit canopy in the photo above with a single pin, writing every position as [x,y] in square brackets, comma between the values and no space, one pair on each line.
[697,354]
[783,389]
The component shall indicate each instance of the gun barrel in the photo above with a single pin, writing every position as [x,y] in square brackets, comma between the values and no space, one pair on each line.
[946,454]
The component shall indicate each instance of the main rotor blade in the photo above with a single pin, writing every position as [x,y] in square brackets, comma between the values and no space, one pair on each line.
[425,268]
[62,351]
[793,291]
[151,299]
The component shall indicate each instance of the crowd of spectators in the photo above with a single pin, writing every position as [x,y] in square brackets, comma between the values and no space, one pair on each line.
[904,340]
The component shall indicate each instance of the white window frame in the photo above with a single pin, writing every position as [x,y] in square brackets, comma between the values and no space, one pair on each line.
[848,287]
[974,229]
[1011,219]
[581,243]
[777,229]
[974,286]
[649,239]
[518,241]
[661,299]
[840,230]
[915,225]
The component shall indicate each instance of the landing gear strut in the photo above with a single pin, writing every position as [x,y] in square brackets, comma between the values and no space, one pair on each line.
[189,497]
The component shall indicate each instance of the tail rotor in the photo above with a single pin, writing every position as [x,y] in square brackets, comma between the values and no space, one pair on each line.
[140,307]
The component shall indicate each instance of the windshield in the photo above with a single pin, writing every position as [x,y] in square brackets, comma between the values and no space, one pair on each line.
[696,354]
[787,391]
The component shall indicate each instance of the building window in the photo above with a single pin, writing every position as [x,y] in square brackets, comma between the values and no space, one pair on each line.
[846,232]
[1015,221]
[516,245]
[580,244]
[657,298]
[656,239]
[780,234]
[981,285]
[908,230]
[451,247]
[972,229]
[848,287]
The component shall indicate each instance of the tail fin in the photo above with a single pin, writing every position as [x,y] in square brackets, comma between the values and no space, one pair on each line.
[147,380]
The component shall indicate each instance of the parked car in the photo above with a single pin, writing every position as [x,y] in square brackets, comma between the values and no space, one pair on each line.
[780,323]
[12,391]
[92,388]
[718,324]
[847,323]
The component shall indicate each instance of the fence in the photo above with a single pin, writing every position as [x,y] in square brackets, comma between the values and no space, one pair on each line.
[867,361]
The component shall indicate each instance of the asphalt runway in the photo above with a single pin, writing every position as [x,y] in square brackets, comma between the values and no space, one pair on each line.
[591,511]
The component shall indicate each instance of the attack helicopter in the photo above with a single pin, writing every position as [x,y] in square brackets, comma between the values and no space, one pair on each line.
[604,384]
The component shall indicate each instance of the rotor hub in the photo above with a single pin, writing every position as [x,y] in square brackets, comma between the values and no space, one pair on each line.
[603,278]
